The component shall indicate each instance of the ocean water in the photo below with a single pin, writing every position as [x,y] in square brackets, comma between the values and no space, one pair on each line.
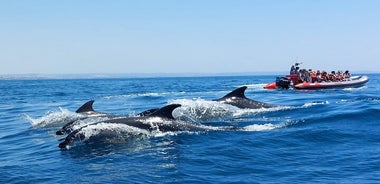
[322,136]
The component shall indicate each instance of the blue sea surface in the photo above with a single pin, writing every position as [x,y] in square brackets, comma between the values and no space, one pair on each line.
[319,136]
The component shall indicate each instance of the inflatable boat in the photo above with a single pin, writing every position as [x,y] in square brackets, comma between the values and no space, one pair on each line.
[289,81]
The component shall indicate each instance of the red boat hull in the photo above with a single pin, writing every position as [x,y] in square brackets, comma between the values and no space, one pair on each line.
[352,82]
[270,86]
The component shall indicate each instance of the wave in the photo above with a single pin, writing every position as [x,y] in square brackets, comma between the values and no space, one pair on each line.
[200,110]
[362,99]
[245,112]
[355,88]
[54,118]
[116,133]
[147,94]
[119,132]
[256,87]
[310,104]
[192,110]
[195,111]
[261,127]
[63,116]
[108,133]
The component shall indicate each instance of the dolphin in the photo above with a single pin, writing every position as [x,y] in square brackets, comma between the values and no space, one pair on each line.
[88,110]
[161,120]
[238,99]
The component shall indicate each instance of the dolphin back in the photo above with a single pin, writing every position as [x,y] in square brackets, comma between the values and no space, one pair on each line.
[237,98]
[239,92]
[86,107]
[147,112]
[165,112]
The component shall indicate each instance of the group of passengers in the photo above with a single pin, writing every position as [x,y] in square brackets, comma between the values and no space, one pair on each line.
[318,76]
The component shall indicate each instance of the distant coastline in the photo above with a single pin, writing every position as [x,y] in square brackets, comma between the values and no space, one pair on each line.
[139,75]
[124,75]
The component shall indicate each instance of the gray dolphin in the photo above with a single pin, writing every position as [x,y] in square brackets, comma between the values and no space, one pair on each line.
[162,120]
[88,110]
[238,99]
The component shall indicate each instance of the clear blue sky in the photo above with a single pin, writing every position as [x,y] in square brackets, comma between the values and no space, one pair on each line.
[196,36]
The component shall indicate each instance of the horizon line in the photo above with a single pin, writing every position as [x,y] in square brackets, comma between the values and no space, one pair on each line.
[142,75]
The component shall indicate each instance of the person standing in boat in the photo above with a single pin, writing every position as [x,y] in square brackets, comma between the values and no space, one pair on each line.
[293,69]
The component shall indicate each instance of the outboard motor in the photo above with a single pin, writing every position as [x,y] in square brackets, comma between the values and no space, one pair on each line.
[283,82]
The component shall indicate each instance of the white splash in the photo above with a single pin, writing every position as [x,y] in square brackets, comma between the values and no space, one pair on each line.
[269,126]
[202,110]
[355,88]
[147,94]
[310,104]
[262,127]
[115,129]
[54,118]
[242,112]
[89,120]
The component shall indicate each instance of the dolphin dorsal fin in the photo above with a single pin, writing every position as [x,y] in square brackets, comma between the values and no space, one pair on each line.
[86,107]
[165,112]
[239,92]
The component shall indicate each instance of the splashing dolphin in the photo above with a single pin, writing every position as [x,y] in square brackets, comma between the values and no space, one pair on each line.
[160,120]
[87,110]
[238,99]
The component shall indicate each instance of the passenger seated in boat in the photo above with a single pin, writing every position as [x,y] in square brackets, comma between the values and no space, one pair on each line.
[303,75]
[321,76]
[318,76]
[346,75]
[299,75]
[307,76]
[339,76]
[324,77]
[332,76]
[313,75]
